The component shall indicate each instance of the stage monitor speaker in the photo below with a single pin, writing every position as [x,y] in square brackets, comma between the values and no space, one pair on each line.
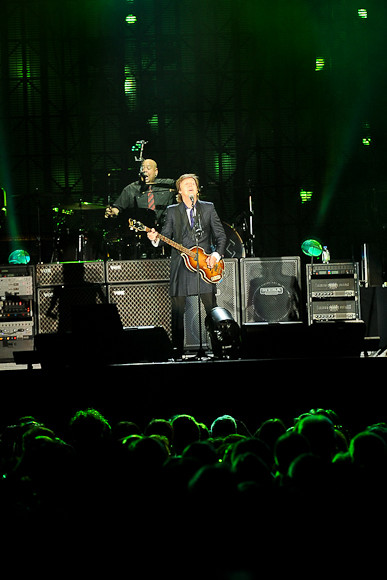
[142,304]
[90,319]
[227,296]
[271,289]
[99,349]
[343,339]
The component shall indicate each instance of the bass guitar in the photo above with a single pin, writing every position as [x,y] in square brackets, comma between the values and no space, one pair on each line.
[194,258]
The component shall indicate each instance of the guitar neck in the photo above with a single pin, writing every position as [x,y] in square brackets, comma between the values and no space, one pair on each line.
[175,245]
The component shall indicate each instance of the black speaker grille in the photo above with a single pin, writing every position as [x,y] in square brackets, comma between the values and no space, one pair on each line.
[72,273]
[270,289]
[142,304]
[137,271]
[56,305]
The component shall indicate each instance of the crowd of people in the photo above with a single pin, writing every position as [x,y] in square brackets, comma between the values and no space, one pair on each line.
[180,489]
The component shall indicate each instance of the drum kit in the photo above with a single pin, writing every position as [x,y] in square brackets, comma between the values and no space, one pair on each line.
[81,233]
[76,231]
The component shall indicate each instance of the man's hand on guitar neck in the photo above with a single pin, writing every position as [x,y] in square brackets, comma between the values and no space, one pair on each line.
[152,235]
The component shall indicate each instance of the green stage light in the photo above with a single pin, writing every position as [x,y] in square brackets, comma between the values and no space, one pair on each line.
[19,257]
[130,83]
[320,64]
[131,19]
[362,12]
[312,248]
[305,196]
[154,121]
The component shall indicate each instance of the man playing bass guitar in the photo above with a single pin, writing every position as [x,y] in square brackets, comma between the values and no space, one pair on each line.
[191,223]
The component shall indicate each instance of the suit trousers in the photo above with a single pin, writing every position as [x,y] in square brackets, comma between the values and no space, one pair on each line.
[178,309]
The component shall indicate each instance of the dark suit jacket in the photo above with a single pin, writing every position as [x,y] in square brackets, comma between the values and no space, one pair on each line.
[213,239]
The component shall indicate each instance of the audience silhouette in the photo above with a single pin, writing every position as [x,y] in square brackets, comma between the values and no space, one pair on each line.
[214,494]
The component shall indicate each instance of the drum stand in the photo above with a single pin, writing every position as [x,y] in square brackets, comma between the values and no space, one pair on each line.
[81,246]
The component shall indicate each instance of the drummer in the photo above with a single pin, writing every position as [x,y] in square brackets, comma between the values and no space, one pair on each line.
[148,192]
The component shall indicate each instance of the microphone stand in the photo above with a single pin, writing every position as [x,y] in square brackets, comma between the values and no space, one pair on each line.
[198,231]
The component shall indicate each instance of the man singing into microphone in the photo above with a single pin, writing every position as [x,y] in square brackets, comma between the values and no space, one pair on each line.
[147,193]
[190,222]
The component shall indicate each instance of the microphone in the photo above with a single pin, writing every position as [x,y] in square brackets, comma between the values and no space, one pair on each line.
[192,199]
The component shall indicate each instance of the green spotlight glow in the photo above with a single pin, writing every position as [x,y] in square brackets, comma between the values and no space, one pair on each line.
[362,12]
[366,141]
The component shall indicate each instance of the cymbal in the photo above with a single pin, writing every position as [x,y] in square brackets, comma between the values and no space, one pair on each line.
[82,206]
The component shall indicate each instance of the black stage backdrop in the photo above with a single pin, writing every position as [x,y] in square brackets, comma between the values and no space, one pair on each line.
[269,103]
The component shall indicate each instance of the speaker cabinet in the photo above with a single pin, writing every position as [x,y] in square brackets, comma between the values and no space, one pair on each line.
[70,274]
[142,304]
[271,289]
[56,305]
[129,271]
[228,297]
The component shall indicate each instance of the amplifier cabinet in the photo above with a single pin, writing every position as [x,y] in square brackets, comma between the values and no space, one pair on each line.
[271,289]
[326,310]
[137,271]
[333,292]
[142,297]
[142,304]
[333,287]
[70,274]
[15,336]
[56,305]
[17,307]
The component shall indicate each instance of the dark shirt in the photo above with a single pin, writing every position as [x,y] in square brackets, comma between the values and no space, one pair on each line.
[135,196]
